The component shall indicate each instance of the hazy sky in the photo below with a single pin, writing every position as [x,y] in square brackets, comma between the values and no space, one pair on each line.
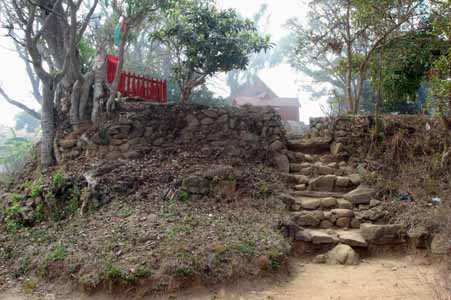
[282,79]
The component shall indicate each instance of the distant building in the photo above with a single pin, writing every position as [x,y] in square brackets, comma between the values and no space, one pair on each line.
[257,93]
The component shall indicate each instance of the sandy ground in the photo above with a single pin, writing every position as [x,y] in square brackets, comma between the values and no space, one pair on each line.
[375,279]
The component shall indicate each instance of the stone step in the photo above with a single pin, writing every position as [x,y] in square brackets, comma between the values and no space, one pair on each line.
[318,194]
[335,218]
[329,212]
[368,234]
[310,203]
[326,183]
[313,145]
[352,237]
[301,157]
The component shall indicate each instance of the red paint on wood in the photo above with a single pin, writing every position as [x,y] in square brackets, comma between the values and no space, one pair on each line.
[133,85]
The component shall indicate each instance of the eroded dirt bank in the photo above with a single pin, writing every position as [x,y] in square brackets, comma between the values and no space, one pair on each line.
[387,279]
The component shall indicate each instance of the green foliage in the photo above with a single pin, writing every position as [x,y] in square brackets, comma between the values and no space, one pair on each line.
[205,40]
[87,55]
[58,253]
[113,273]
[58,180]
[182,196]
[441,86]
[14,151]
[36,187]
[404,65]
[12,214]
[39,214]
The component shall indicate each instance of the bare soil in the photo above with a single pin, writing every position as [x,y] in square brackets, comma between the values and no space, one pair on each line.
[382,278]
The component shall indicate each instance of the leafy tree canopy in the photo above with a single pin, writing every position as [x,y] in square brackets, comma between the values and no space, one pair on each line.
[205,40]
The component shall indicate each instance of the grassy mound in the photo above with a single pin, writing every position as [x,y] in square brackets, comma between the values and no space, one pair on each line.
[141,226]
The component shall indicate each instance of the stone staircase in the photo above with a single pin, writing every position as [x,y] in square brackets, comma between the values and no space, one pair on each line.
[330,204]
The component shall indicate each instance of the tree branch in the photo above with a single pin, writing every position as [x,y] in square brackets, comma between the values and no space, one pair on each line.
[20,105]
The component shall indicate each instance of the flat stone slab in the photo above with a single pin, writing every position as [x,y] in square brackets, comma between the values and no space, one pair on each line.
[383,234]
[361,195]
[342,203]
[309,203]
[308,218]
[317,194]
[323,183]
[342,213]
[352,238]
[322,237]
[313,144]
[328,202]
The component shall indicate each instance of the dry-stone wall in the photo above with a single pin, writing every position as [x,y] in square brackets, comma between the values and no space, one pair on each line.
[250,133]
[352,135]
[349,134]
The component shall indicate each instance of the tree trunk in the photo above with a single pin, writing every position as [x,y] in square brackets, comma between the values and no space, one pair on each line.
[349,60]
[48,125]
[99,80]
[359,92]
[186,93]
[75,102]
[117,77]
[84,95]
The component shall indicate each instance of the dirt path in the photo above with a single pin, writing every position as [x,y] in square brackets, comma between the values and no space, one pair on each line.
[387,279]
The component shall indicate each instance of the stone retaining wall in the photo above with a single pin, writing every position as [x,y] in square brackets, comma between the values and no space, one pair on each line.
[249,133]
[352,135]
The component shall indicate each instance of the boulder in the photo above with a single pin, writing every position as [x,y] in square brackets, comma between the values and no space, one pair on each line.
[282,163]
[329,202]
[355,223]
[342,255]
[343,182]
[308,218]
[356,179]
[310,203]
[344,204]
[342,213]
[330,216]
[361,195]
[207,121]
[441,244]
[295,168]
[326,224]
[323,183]
[306,171]
[276,146]
[324,170]
[301,179]
[316,144]
[288,200]
[322,237]
[374,203]
[343,222]
[352,238]
[300,187]
[383,234]
[336,149]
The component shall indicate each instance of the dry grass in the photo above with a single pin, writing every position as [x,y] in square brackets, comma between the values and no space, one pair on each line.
[141,239]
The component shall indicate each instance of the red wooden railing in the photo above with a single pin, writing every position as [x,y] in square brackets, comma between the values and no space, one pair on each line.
[137,86]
